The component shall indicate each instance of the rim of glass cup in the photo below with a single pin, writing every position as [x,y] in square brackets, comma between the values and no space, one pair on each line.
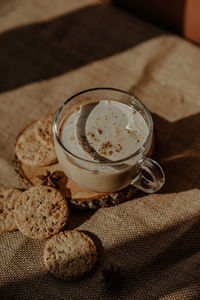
[140,150]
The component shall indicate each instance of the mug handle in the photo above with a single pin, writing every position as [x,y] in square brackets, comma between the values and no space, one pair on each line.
[152,168]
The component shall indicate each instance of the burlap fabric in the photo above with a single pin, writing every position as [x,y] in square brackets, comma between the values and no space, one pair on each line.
[52,49]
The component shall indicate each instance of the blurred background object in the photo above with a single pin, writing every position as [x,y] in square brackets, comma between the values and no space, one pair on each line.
[179,16]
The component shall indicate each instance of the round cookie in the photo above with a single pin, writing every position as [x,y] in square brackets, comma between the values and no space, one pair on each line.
[41,212]
[31,151]
[8,197]
[70,254]
[44,130]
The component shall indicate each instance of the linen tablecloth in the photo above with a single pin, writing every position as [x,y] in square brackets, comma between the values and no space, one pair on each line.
[50,50]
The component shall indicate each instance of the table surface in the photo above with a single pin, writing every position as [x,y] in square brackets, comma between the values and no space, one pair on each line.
[50,50]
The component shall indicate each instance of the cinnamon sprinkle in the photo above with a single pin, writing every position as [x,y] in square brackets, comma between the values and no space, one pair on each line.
[106,145]
[119,148]
[99,131]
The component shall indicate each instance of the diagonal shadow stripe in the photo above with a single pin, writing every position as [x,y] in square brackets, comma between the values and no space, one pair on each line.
[44,50]
[154,265]
[178,144]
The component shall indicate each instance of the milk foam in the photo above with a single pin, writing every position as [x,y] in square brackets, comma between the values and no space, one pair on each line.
[104,131]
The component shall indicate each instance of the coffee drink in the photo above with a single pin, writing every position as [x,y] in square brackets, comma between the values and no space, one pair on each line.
[101,139]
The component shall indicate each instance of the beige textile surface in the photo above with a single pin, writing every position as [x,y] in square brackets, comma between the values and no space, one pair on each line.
[48,51]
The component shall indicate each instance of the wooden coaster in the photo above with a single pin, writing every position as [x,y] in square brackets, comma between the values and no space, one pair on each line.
[79,197]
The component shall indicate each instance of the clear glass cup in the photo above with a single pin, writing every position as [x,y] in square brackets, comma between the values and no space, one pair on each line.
[108,176]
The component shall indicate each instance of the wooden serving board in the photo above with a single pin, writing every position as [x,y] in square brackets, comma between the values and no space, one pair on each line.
[77,196]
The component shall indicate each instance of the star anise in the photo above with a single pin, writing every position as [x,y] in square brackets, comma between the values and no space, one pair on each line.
[50,179]
[112,277]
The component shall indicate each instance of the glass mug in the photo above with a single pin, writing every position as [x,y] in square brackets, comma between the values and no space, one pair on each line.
[109,176]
